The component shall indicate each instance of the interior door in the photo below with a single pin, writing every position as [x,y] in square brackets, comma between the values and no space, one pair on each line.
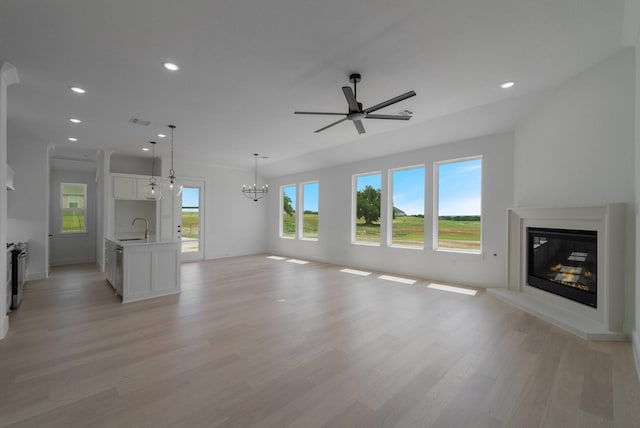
[191,219]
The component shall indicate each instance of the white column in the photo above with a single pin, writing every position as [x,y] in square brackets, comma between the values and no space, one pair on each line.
[8,76]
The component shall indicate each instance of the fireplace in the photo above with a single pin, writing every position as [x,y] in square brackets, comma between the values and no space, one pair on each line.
[589,243]
[564,262]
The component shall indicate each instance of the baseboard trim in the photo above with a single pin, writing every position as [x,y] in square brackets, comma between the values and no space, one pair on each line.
[4,327]
[73,262]
[34,276]
[635,345]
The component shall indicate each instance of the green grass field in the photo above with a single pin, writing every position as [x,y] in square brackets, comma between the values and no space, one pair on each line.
[452,234]
[72,222]
[310,226]
[190,224]
[461,235]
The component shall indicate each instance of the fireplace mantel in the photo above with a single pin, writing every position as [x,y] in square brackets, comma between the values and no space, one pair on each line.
[602,323]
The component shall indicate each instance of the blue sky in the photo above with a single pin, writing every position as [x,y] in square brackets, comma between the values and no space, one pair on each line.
[460,187]
[290,191]
[408,190]
[373,180]
[190,197]
[310,196]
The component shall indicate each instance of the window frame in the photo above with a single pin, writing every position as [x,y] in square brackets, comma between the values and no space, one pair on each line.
[354,208]
[281,210]
[62,210]
[390,186]
[300,213]
[436,204]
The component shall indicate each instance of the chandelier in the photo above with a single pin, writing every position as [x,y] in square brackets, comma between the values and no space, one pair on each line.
[152,188]
[254,192]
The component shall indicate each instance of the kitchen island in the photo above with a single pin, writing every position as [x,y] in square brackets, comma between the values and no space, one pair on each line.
[141,269]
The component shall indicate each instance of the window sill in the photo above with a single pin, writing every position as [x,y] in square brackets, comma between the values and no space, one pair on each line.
[407,247]
[366,244]
[455,251]
[71,234]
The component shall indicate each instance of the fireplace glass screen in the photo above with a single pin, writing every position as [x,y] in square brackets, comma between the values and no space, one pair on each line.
[564,262]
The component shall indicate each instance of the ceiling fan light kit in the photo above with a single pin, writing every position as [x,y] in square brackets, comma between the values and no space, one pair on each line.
[356,113]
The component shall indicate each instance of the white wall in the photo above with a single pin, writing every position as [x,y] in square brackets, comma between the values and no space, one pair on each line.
[636,332]
[334,243]
[28,204]
[125,211]
[577,149]
[8,76]
[234,225]
[77,247]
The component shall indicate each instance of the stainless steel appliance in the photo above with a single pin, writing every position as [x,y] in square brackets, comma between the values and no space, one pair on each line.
[119,270]
[18,273]
[8,279]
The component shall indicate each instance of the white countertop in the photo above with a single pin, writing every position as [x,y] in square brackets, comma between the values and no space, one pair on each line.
[139,241]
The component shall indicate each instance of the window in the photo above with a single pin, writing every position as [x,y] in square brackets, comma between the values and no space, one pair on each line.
[459,202]
[288,213]
[310,210]
[73,198]
[407,207]
[367,198]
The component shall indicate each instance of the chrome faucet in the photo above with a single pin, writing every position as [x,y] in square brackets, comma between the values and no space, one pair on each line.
[146,227]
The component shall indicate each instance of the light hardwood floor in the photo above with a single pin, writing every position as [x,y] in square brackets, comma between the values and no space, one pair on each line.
[258,342]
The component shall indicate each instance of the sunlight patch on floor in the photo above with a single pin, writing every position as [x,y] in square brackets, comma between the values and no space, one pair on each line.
[452,289]
[296,261]
[397,279]
[356,272]
[276,258]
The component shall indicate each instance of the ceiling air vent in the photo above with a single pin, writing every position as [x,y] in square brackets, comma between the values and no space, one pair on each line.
[137,121]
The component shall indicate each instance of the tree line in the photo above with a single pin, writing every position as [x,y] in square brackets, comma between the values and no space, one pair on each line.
[368,207]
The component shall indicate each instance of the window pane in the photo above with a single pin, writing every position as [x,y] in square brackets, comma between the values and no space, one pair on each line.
[310,210]
[368,196]
[407,223]
[72,207]
[459,205]
[289,211]
[190,219]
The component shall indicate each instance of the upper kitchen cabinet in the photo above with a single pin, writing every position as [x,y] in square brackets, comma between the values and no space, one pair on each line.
[127,186]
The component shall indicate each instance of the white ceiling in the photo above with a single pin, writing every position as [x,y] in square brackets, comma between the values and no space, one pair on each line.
[247,65]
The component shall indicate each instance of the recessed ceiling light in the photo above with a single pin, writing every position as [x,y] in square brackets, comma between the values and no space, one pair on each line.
[145,149]
[161,135]
[74,120]
[73,139]
[78,90]
[507,85]
[170,66]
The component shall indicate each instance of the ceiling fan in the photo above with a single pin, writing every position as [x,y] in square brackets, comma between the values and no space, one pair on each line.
[356,113]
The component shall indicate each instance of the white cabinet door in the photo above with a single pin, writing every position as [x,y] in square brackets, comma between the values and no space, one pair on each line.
[124,188]
[140,183]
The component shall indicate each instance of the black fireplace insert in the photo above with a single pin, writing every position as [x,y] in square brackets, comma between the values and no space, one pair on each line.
[564,262]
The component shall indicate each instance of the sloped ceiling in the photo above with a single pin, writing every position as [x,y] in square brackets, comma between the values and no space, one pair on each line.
[247,65]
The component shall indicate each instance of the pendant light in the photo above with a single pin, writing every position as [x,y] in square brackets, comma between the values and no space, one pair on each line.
[254,192]
[171,185]
[152,189]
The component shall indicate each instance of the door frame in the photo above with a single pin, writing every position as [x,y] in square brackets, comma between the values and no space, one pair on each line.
[201,184]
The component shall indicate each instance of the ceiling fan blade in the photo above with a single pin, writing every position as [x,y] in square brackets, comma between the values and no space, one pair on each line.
[387,116]
[330,125]
[389,102]
[319,112]
[351,99]
[359,126]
